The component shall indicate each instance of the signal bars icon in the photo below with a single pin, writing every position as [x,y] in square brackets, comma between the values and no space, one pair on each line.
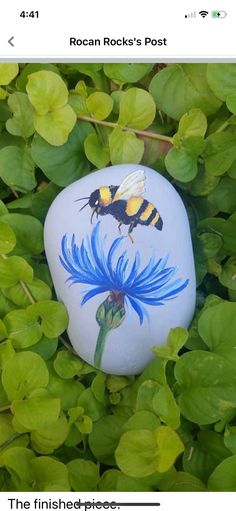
[193,14]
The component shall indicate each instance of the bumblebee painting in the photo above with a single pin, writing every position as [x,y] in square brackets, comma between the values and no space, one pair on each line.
[125,203]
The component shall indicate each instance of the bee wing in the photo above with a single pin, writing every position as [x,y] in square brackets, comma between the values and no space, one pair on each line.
[132,186]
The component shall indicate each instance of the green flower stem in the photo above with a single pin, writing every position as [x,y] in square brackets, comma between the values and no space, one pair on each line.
[110,315]
[100,345]
[146,134]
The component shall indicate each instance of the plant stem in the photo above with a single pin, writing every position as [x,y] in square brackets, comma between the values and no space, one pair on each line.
[100,345]
[4,408]
[147,134]
[10,440]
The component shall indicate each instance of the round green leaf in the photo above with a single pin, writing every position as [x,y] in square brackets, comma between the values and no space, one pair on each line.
[67,365]
[228,274]
[126,73]
[30,373]
[36,412]
[207,383]
[8,72]
[53,315]
[220,153]
[224,476]
[181,165]
[13,269]
[109,428]
[125,147]
[46,91]
[217,326]
[141,453]
[49,474]
[22,329]
[21,124]
[83,475]
[223,197]
[17,168]
[165,406]
[222,79]
[55,126]
[192,124]
[65,164]
[7,238]
[47,439]
[96,151]
[100,105]
[180,87]
[28,231]
[137,109]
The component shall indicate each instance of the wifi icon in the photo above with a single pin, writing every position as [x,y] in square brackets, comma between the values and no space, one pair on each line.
[203,14]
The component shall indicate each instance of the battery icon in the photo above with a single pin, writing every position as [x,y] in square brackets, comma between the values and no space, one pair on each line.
[218,14]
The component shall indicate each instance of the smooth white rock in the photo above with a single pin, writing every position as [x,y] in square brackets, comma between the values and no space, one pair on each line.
[127,348]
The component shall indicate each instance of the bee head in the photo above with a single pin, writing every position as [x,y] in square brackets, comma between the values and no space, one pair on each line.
[95,201]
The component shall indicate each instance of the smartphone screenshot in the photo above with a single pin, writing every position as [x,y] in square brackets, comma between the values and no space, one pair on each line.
[117,255]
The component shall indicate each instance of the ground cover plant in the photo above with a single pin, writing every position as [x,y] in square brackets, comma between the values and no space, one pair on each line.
[65,426]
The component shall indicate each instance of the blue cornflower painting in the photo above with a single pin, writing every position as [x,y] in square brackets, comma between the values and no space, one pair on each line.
[125,281]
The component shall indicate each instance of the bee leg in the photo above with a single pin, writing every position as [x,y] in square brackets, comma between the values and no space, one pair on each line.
[119,227]
[131,227]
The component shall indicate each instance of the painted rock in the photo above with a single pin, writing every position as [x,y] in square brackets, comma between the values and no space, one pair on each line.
[119,250]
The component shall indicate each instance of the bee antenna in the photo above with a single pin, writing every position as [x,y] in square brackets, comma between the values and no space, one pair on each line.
[82,198]
[84,206]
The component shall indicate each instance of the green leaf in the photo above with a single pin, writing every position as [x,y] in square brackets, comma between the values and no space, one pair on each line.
[49,474]
[141,453]
[56,125]
[47,439]
[64,164]
[6,352]
[67,365]
[181,165]
[146,392]
[223,197]
[22,329]
[166,408]
[83,475]
[30,373]
[67,391]
[28,69]
[14,269]
[230,438]
[187,482]
[192,124]
[125,147]
[222,79]
[7,73]
[17,168]
[126,73]
[224,476]
[46,91]
[53,315]
[220,153]
[137,109]
[36,412]
[207,385]
[217,326]
[17,460]
[100,105]
[42,199]
[228,275]
[96,151]
[176,339]
[7,238]
[28,231]
[109,428]
[180,87]
[142,420]
[21,124]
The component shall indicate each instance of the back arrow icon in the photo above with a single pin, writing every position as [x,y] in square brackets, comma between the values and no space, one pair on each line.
[10,40]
